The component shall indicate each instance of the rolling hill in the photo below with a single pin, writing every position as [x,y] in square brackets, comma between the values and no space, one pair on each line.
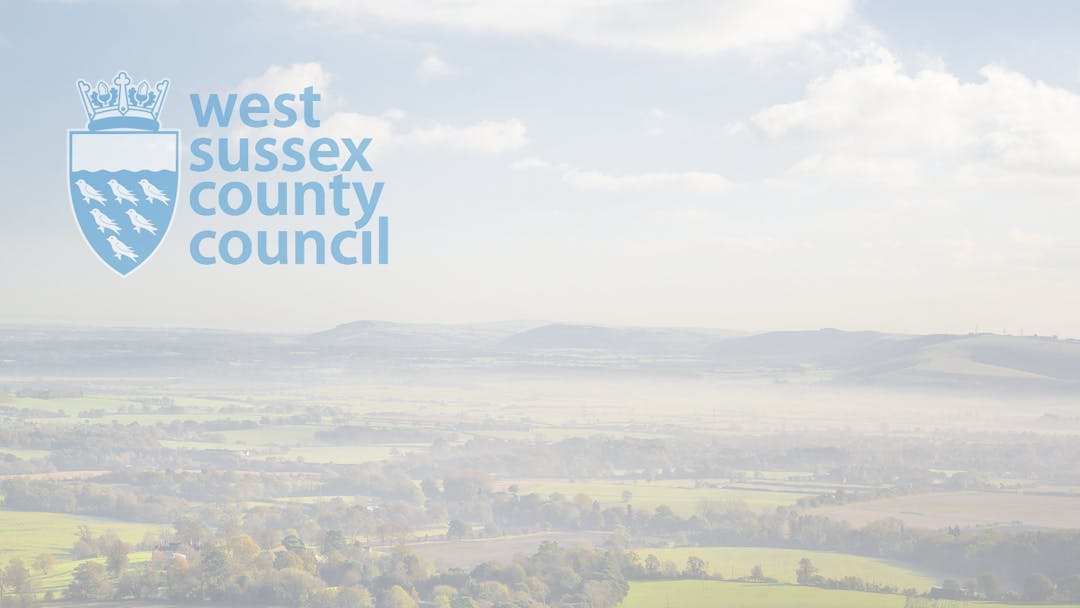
[971,361]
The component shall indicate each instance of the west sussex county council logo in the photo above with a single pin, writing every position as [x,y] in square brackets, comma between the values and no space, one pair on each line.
[123,171]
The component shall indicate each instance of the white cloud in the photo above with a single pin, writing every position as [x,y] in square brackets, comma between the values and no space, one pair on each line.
[530,163]
[433,66]
[291,78]
[1013,248]
[1023,237]
[690,181]
[380,128]
[701,182]
[690,214]
[962,251]
[877,111]
[488,136]
[691,27]
[930,205]
[895,172]
[757,243]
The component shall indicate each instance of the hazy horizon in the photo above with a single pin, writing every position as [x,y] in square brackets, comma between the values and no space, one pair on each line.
[519,322]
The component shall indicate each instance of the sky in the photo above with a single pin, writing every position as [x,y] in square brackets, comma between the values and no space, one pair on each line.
[749,164]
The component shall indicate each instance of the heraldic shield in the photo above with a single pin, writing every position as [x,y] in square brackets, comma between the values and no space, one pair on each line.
[123,172]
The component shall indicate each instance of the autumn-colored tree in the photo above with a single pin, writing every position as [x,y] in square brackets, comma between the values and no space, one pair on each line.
[45,562]
[90,582]
[17,576]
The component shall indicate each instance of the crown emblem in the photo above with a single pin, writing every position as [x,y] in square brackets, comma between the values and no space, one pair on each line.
[121,105]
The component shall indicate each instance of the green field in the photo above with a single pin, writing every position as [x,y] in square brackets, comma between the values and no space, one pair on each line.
[680,495]
[58,579]
[275,435]
[780,564]
[26,454]
[349,454]
[713,594]
[26,534]
[72,406]
[126,409]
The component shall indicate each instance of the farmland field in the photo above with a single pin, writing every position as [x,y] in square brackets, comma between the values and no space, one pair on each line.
[348,454]
[780,564]
[711,594]
[28,533]
[58,579]
[681,495]
[468,553]
[940,510]
[26,454]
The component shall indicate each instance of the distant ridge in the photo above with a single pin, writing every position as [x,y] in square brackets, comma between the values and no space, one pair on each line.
[980,361]
[822,348]
[379,336]
[640,340]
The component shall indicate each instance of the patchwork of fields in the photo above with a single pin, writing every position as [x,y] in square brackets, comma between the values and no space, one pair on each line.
[283,442]
[683,496]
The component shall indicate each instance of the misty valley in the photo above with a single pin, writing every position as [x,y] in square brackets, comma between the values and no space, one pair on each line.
[530,464]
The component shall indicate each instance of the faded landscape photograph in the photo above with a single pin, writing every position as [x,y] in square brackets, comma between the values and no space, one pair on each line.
[671,305]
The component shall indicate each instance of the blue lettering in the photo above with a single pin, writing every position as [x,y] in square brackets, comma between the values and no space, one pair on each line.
[196,205]
[198,149]
[254,104]
[213,106]
[196,253]
[224,247]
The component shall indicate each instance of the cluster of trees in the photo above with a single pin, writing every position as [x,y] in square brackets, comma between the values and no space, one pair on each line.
[161,495]
[903,463]
[341,573]
[1036,588]
[467,495]
[107,545]
[213,485]
[102,500]
[654,569]
[44,436]
[10,464]
[15,584]
[807,574]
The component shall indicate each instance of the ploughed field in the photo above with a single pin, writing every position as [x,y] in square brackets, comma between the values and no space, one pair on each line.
[964,509]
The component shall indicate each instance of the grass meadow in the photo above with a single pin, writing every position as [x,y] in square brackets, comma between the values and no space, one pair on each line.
[715,594]
[780,564]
